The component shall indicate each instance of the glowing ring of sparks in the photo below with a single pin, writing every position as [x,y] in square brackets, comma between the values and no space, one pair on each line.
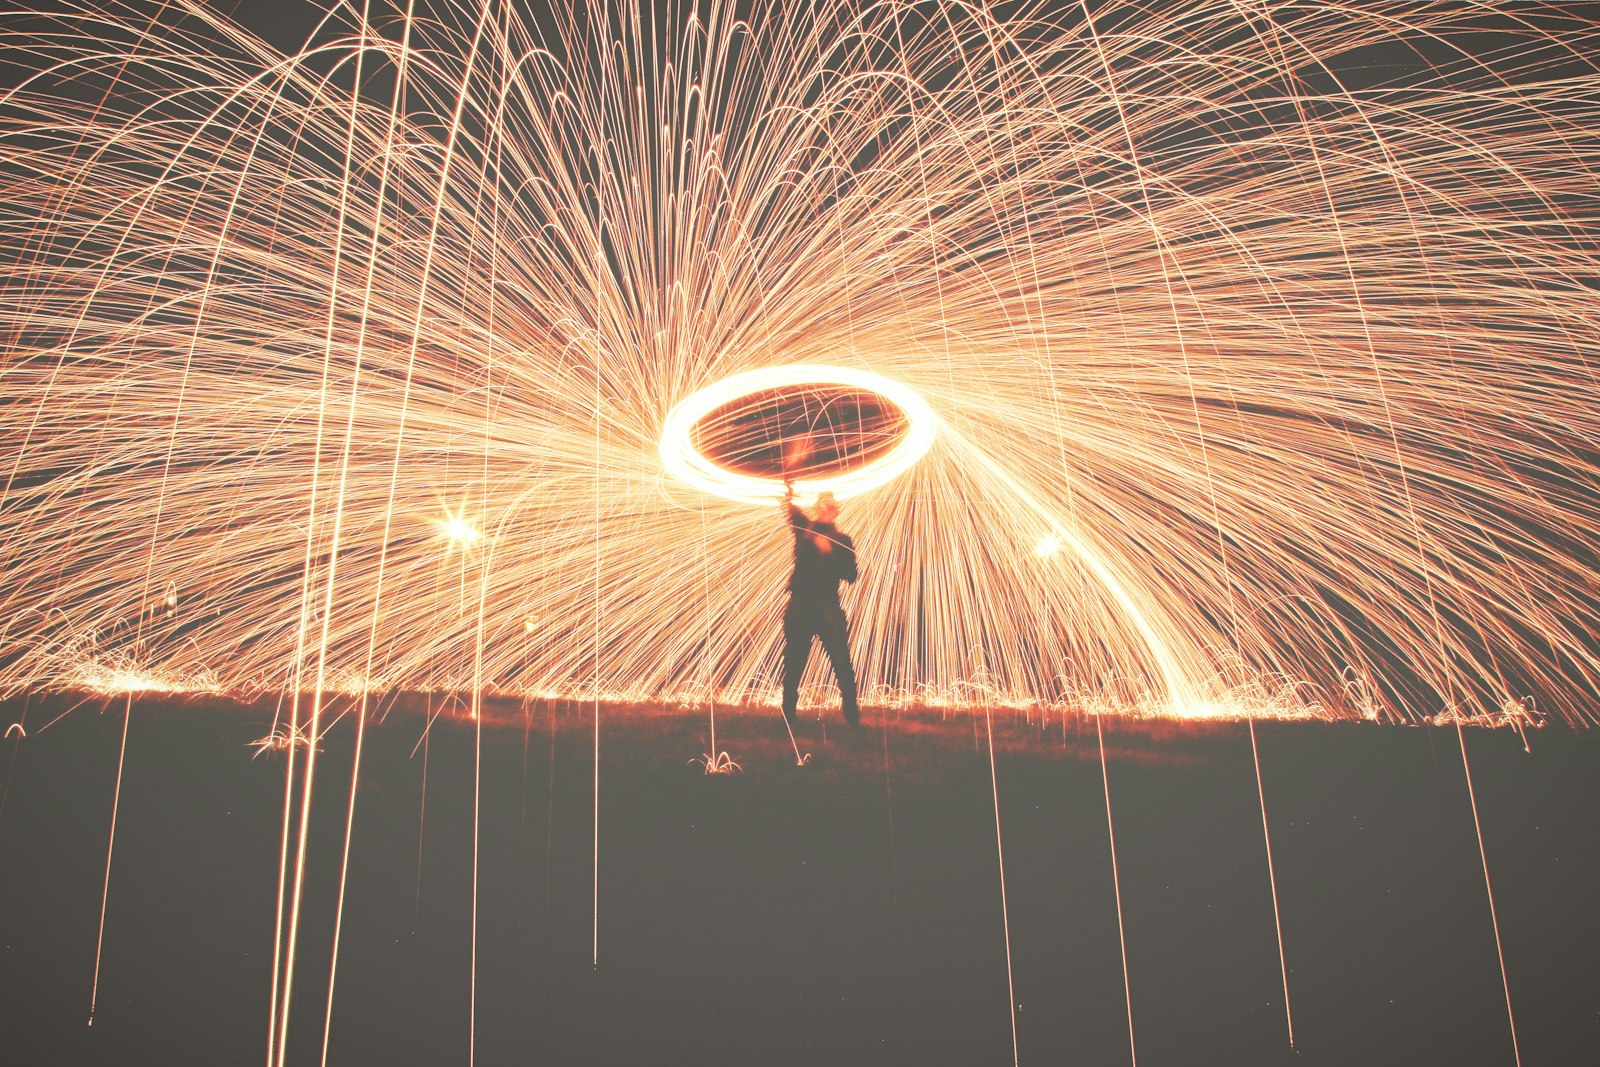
[687,463]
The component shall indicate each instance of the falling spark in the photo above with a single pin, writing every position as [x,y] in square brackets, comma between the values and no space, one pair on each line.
[1000,859]
[1116,890]
[1229,306]
[344,872]
[111,841]
[1272,880]
[280,740]
[422,822]
[1494,920]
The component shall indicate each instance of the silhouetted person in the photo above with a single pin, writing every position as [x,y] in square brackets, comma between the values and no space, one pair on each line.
[823,557]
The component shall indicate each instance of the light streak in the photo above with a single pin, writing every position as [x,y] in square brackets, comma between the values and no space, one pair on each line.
[1272,881]
[684,461]
[1488,889]
[477,802]
[598,466]
[599,151]
[111,841]
[344,874]
[422,821]
[1000,858]
[713,762]
[549,815]
[19,730]
[1116,890]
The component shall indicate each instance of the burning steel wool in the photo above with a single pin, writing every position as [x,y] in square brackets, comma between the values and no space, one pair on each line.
[1237,349]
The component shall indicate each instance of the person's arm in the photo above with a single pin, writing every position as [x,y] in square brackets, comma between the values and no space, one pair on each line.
[845,550]
[797,518]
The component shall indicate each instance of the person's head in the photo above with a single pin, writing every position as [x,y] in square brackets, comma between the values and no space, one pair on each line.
[827,508]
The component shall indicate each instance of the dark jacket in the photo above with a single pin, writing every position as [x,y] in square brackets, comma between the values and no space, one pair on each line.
[817,574]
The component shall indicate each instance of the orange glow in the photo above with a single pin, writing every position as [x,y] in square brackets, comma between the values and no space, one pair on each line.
[1220,378]
[684,462]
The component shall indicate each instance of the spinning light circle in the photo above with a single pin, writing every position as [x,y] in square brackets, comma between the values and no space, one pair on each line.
[683,456]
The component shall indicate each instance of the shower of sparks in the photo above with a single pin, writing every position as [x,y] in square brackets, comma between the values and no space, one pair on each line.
[1279,317]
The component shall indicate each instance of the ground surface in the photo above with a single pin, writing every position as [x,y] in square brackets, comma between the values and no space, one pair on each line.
[846,912]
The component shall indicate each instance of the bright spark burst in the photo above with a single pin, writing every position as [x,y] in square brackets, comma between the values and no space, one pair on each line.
[1280,315]
[280,739]
[721,763]
[460,532]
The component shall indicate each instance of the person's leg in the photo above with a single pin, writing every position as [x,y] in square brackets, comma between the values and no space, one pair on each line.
[797,632]
[835,634]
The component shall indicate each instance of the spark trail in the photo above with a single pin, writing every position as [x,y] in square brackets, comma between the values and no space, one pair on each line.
[1494,920]
[1296,297]
[111,841]
[1272,882]
[1000,861]
[1116,889]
